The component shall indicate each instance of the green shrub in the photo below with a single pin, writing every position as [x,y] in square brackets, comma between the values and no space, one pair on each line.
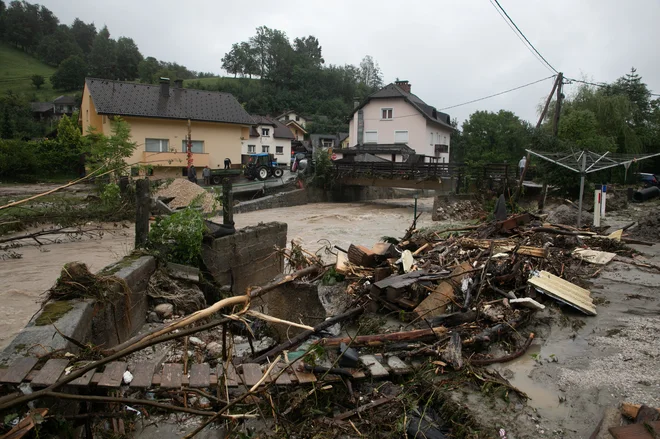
[18,161]
[178,237]
[110,195]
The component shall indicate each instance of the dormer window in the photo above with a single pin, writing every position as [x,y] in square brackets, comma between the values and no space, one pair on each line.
[265,132]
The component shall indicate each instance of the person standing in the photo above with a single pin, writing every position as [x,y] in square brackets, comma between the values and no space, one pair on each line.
[521,165]
[227,163]
[192,174]
[206,173]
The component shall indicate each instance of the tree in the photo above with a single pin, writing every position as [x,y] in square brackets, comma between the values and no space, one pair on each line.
[84,34]
[26,24]
[230,62]
[103,56]
[309,51]
[37,81]
[70,75]
[111,152]
[148,69]
[3,12]
[6,128]
[128,59]
[494,138]
[57,47]
[370,73]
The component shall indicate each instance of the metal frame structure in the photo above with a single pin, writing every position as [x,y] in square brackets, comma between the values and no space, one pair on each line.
[585,162]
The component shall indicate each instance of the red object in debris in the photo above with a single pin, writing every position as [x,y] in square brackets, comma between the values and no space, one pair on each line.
[295,166]
[334,156]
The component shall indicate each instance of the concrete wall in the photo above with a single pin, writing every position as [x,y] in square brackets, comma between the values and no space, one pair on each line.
[248,257]
[284,199]
[103,323]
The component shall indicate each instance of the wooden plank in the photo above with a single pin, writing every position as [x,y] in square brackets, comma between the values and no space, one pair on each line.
[635,431]
[50,373]
[155,381]
[84,380]
[436,303]
[113,374]
[96,379]
[200,375]
[398,366]
[19,370]
[360,255]
[251,373]
[375,368]
[564,291]
[358,374]
[283,378]
[303,376]
[593,256]
[631,410]
[171,376]
[143,374]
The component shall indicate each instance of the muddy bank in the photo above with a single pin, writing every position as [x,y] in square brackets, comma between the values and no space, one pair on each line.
[25,279]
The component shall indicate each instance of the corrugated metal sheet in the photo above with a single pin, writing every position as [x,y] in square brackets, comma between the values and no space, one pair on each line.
[563,291]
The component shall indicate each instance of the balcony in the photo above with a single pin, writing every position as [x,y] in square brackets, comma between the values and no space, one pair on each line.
[174,159]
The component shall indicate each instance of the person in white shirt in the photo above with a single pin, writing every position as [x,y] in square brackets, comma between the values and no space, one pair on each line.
[521,164]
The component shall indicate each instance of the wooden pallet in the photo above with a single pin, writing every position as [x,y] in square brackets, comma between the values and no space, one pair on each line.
[170,375]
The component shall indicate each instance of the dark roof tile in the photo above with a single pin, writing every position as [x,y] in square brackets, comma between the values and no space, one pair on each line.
[131,99]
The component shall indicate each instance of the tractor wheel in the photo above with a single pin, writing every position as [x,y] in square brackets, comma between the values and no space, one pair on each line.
[262,173]
[216,179]
[278,172]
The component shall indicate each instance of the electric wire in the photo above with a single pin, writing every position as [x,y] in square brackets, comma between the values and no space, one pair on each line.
[497,94]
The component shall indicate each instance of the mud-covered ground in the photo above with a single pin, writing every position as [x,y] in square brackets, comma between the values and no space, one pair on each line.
[579,365]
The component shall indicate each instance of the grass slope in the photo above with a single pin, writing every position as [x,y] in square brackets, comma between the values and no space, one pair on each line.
[16,69]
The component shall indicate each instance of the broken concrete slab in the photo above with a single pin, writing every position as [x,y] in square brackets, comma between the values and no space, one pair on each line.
[527,302]
[183,272]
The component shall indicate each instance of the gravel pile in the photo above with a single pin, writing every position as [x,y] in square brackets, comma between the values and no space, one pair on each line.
[184,192]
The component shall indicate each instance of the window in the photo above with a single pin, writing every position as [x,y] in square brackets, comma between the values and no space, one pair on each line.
[252,149]
[431,139]
[196,148]
[441,149]
[265,148]
[327,143]
[386,113]
[156,145]
[371,137]
[279,150]
[400,136]
[297,118]
[286,117]
[265,132]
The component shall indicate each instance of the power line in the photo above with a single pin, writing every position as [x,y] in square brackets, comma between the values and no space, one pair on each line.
[519,37]
[523,35]
[498,94]
[602,85]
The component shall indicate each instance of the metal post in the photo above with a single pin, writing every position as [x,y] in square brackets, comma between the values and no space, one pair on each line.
[415,214]
[142,204]
[583,168]
[227,203]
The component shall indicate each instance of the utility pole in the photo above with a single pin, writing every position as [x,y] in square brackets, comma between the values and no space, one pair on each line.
[555,124]
[555,86]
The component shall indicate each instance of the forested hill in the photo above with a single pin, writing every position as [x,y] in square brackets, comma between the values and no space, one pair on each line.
[287,74]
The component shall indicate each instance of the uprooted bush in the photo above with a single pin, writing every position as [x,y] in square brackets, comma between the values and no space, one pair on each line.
[77,282]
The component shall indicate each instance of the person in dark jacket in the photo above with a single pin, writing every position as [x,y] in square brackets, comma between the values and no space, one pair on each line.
[192,174]
[227,163]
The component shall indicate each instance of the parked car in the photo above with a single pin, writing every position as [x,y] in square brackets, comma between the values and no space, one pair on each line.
[649,180]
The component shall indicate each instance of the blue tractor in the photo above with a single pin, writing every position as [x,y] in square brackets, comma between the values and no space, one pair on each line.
[262,166]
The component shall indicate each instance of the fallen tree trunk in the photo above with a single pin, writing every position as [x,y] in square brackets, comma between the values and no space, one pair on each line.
[379,339]
[295,341]
[505,358]
[453,319]
[497,330]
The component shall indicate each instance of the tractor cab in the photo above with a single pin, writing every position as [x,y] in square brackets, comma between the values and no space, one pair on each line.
[262,166]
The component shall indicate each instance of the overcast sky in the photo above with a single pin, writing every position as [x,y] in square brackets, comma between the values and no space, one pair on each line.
[450,51]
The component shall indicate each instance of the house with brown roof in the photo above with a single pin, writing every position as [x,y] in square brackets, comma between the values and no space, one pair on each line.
[393,116]
[272,136]
[159,115]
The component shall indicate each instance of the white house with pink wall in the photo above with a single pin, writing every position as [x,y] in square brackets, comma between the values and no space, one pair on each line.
[393,117]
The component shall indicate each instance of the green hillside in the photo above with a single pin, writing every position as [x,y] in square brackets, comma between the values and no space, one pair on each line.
[16,69]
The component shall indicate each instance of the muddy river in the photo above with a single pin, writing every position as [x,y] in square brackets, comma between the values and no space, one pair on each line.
[24,280]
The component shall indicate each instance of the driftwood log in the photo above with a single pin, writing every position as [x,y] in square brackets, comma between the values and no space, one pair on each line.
[380,339]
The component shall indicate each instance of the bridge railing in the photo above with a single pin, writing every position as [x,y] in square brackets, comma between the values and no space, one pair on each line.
[403,170]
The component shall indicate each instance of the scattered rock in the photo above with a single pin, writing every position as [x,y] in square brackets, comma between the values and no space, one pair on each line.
[196,342]
[204,403]
[153,317]
[567,215]
[214,349]
[164,310]
[445,208]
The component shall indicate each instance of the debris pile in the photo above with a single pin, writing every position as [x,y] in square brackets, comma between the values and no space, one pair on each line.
[458,210]
[419,315]
[182,193]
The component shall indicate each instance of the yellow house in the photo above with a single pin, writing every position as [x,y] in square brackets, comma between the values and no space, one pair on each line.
[158,116]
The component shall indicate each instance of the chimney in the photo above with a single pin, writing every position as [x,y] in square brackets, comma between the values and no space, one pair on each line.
[178,83]
[165,87]
[403,85]
[356,102]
